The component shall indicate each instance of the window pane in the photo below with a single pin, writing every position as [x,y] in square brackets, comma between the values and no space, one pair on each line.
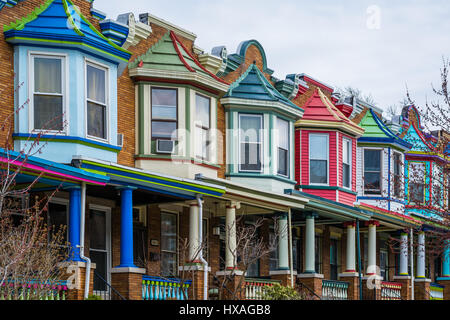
[99,258]
[250,156]
[346,152]
[96,84]
[372,160]
[57,216]
[346,175]
[203,110]
[168,264]
[164,112]
[168,232]
[416,193]
[48,112]
[372,181]
[283,133]
[161,129]
[250,127]
[47,75]
[202,143]
[96,120]
[283,161]
[318,171]
[318,147]
[164,97]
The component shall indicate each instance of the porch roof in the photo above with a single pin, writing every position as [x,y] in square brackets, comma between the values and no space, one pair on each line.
[120,175]
[257,197]
[329,208]
[44,173]
[389,218]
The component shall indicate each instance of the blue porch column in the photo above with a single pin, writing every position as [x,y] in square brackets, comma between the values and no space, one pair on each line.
[126,228]
[74,222]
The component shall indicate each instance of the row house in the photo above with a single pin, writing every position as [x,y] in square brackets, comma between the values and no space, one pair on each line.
[149,140]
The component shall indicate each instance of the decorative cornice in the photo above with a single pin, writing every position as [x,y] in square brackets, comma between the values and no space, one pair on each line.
[147,19]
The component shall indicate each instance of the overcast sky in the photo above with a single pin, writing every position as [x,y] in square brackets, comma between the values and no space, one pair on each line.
[378,47]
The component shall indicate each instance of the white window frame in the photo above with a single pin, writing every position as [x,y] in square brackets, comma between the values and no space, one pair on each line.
[288,167]
[64,88]
[177,250]
[401,174]
[381,172]
[97,65]
[350,159]
[327,136]
[197,126]
[261,142]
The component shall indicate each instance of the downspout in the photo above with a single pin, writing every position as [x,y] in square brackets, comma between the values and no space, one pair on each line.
[200,237]
[411,258]
[82,256]
[291,265]
[359,260]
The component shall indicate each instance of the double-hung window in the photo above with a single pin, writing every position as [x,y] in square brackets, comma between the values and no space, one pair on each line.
[416,182]
[97,107]
[202,126]
[283,147]
[169,257]
[397,175]
[164,113]
[48,92]
[318,159]
[346,163]
[372,171]
[250,142]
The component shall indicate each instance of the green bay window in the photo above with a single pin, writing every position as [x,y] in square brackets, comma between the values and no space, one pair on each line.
[283,147]
[97,109]
[318,159]
[250,142]
[202,126]
[48,92]
[372,171]
[164,111]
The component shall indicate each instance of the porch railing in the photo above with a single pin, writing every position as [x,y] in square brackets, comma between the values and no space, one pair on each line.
[334,290]
[436,291]
[391,291]
[108,292]
[254,288]
[33,290]
[157,288]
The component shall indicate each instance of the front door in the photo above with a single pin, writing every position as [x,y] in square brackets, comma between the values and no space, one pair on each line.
[100,246]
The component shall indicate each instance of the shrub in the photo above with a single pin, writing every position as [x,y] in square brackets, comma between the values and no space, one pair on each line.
[279,292]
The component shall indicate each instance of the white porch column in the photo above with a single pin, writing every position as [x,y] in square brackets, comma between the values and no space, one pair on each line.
[310,264]
[194,244]
[372,250]
[230,235]
[351,247]
[403,254]
[283,244]
[421,255]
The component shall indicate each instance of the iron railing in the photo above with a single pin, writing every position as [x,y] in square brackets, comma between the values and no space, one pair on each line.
[157,288]
[306,292]
[334,290]
[107,292]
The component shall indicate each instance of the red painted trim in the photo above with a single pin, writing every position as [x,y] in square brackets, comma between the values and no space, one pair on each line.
[318,84]
[177,41]
[180,56]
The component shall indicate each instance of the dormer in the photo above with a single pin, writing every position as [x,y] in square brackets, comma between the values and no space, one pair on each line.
[177,114]
[380,152]
[326,151]
[66,71]
[260,132]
